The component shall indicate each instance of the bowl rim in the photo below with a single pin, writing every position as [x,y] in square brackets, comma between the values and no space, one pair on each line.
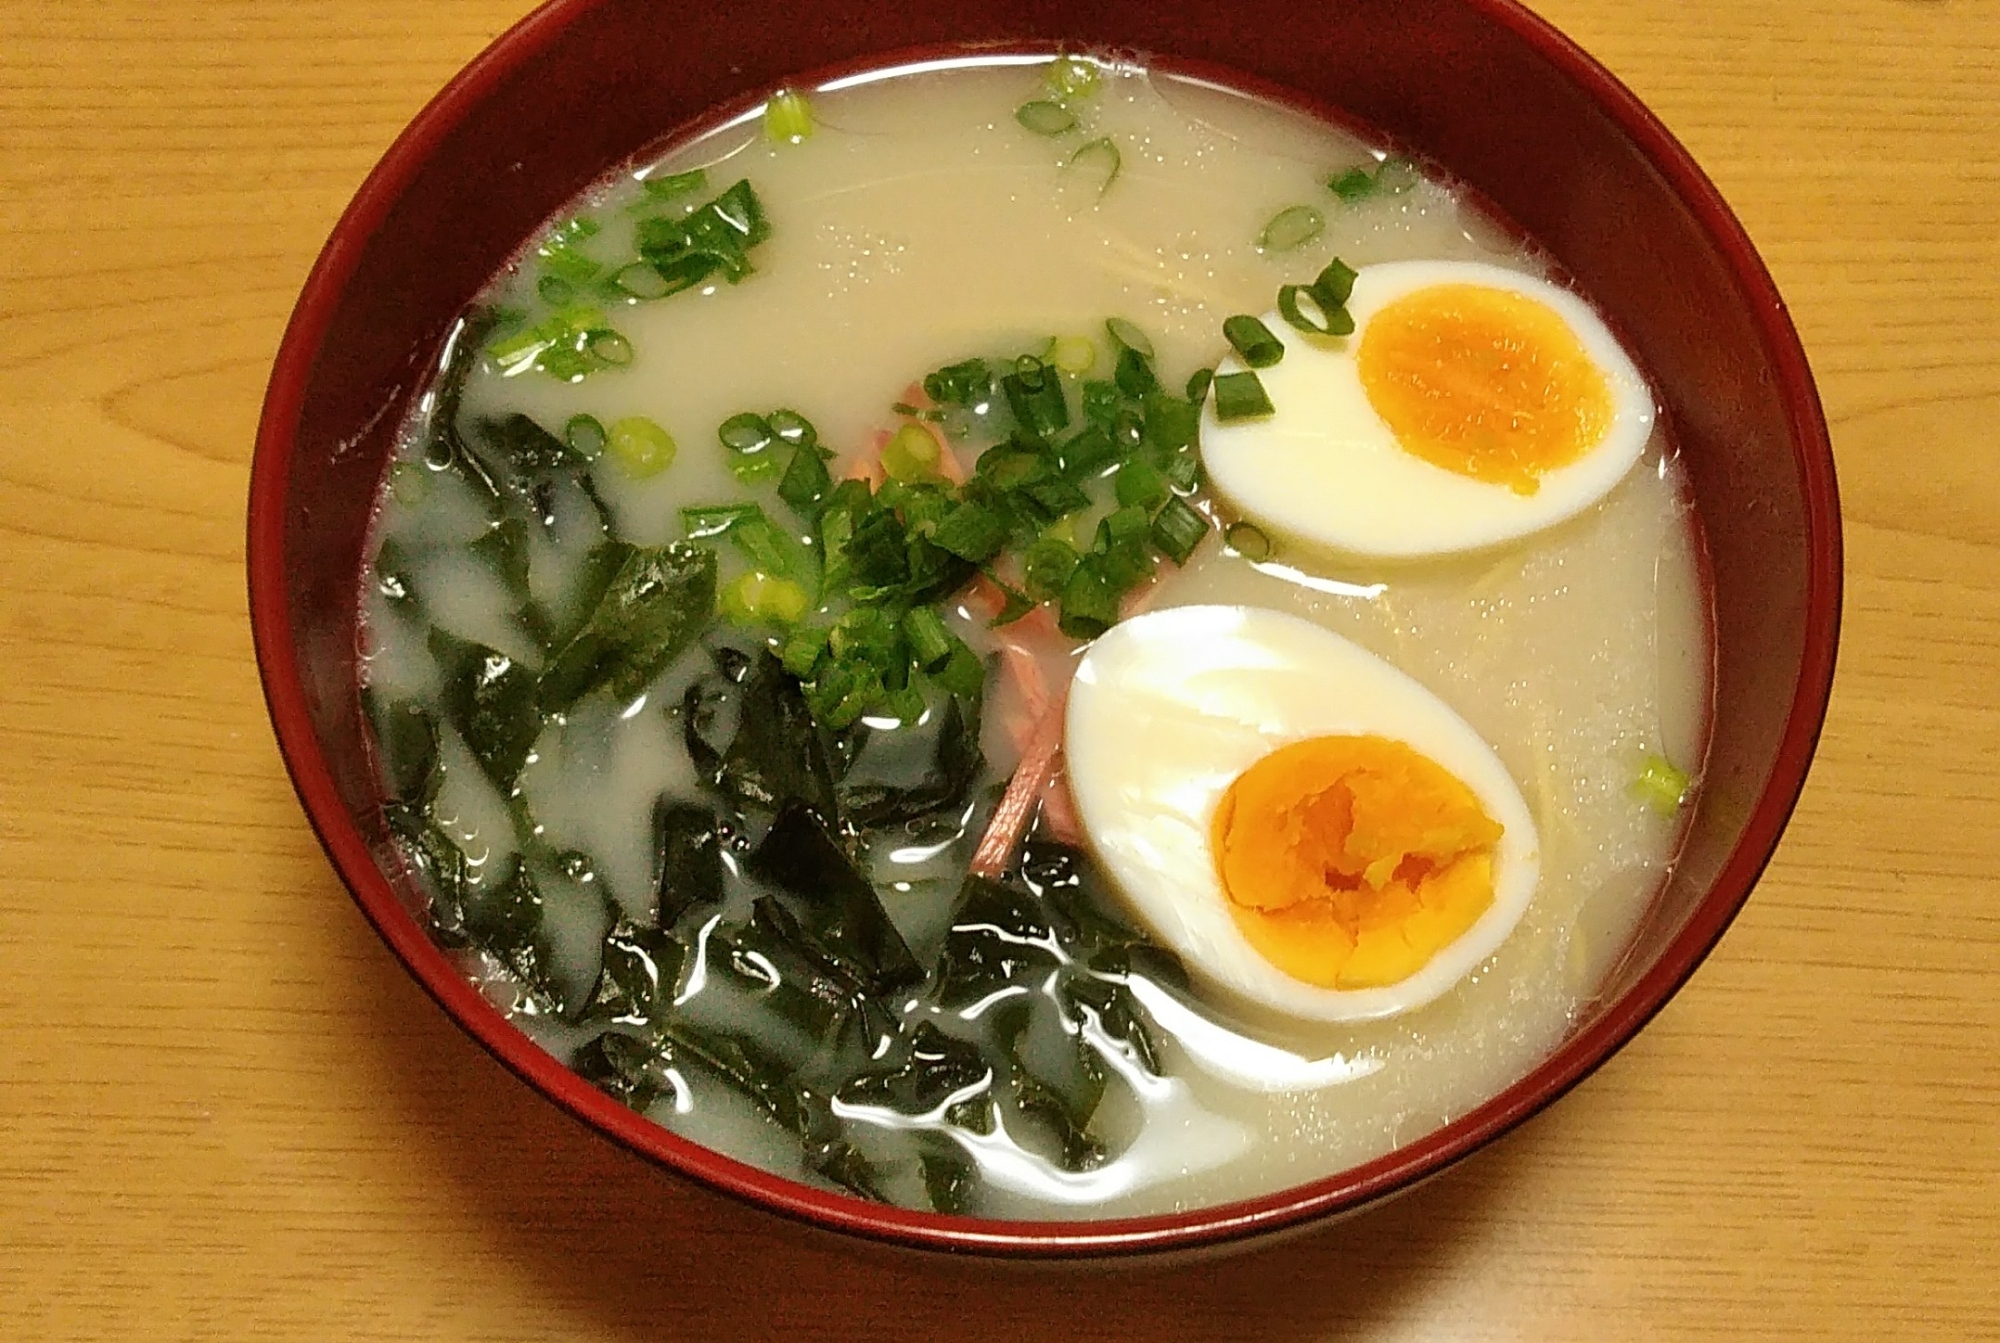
[1348,1190]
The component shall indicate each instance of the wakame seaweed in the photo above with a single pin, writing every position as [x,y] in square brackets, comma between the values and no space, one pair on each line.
[655,605]
[490,699]
[832,900]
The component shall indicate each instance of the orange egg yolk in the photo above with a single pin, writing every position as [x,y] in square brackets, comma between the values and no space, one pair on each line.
[1484,382]
[1348,862]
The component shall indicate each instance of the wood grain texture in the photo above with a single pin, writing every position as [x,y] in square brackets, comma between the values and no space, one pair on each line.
[228,1114]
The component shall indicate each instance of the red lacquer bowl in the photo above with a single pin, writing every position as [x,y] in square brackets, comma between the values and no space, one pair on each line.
[1481,87]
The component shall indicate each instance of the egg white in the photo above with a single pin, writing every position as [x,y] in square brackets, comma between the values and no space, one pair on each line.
[1169,707]
[1326,469]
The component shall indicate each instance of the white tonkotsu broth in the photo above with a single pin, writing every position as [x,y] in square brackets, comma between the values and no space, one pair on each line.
[921,225]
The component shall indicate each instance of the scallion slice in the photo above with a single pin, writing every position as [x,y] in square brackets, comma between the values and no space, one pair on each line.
[788,117]
[971,531]
[747,432]
[1248,540]
[1240,396]
[585,435]
[1089,603]
[1661,785]
[1197,385]
[1129,337]
[1070,77]
[911,454]
[1253,340]
[1178,529]
[1044,117]
[1309,311]
[608,347]
[1098,162]
[674,185]
[1335,283]
[931,642]
[793,428]
[641,446]
[641,280]
[1074,354]
[1290,229]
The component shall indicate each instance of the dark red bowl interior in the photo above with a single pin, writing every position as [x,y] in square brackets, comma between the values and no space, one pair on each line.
[1478,86]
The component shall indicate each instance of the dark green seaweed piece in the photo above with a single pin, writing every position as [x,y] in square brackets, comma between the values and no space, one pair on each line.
[914,770]
[777,755]
[950,1175]
[445,447]
[438,865]
[490,699]
[832,900]
[797,980]
[594,576]
[939,1077]
[1117,1013]
[629,1069]
[652,609]
[529,451]
[406,745]
[637,977]
[690,851]
[1000,936]
[753,1071]
[506,923]
[1062,1103]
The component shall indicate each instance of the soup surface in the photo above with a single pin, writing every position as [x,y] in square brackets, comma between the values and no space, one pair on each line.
[804,921]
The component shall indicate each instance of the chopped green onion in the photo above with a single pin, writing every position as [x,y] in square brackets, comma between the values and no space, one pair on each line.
[1240,396]
[584,435]
[806,481]
[1248,540]
[1322,318]
[912,454]
[931,642]
[788,117]
[1253,340]
[1197,385]
[1085,451]
[1184,470]
[1045,118]
[642,280]
[608,347]
[1396,175]
[1661,786]
[793,428]
[1070,77]
[1089,603]
[971,531]
[1099,161]
[555,291]
[1171,423]
[1129,337]
[713,520]
[1291,229]
[745,433]
[802,648]
[1135,376]
[759,598]
[757,469]
[1391,177]
[675,184]
[1142,484]
[641,446]
[1014,605]
[1047,566]
[1035,395]
[1335,283]
[1353,186]
[963,384]
[1074,354]
[1178,529]
[963,675]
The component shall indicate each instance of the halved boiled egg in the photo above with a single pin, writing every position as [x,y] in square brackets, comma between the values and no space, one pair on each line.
[1308,827]
[1472,405]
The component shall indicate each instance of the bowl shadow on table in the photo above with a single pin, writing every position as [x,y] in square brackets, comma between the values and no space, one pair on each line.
[601,1232]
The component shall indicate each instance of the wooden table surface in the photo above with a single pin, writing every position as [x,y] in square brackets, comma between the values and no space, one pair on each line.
[229,1114]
